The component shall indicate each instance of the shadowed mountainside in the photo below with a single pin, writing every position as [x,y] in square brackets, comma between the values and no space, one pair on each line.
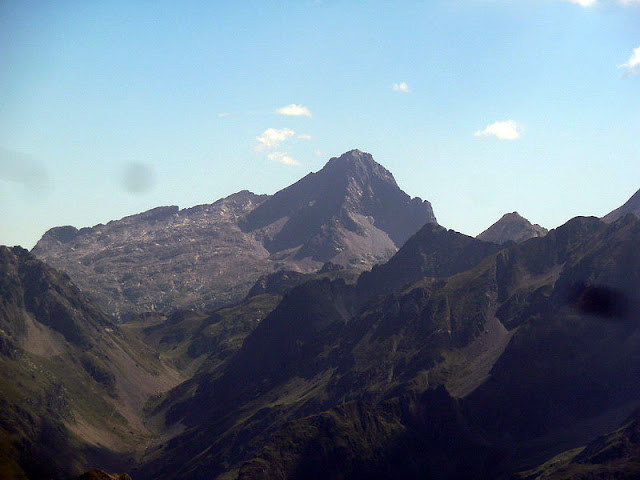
[96,474]
[614,455]
[433,251]
[72,384]
[507,347]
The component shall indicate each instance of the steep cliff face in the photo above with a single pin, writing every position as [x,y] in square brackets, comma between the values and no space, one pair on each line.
[351,212]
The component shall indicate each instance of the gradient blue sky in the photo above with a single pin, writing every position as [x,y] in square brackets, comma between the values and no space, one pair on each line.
[111,108]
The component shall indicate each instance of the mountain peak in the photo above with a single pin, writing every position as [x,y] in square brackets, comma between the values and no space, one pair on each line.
[512,227]
[353,156]
[512,215]
[351,213]
[351,202]
[358,165]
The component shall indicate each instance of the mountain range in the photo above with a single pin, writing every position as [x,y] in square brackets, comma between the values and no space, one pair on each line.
[351,212]
[358,339]
[510,360]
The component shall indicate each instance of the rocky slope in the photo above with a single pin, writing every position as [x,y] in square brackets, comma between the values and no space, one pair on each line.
[284,356]
[614,455]
[433,251]
[630,206]
[531,350]
[162,258]
[512,228]
[351,213]
[72,384]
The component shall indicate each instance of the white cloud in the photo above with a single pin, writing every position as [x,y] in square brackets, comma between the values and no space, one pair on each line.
[505,130]
[401,87]
[223,114]
[295,110]
[282,157]
[272,137]
[584,3]
[589,3]
[304,136]
[633,64]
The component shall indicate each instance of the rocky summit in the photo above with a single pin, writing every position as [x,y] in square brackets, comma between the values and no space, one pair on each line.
[351,213]
[512,227]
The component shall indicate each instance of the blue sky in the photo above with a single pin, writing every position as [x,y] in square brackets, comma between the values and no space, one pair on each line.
[480,106]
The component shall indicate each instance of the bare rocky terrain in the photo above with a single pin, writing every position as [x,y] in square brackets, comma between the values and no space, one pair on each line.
[162,258]
[351,212]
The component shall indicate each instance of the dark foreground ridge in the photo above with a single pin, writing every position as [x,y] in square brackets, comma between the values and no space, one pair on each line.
[72,383]
[473,374]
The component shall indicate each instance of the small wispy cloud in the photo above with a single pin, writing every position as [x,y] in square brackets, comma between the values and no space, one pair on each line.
[272,137]
[583,3]
[504,130]
[223,114]
[295,110]
[282,157]
[401,87]
[633,64]
[590,3]
[304,136]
